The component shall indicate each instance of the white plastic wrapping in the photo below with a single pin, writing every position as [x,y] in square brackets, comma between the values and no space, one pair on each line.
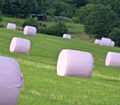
[112,59]
[97,41]
[112,43]
[105,42]
[75,63]
[29,30]
[11,80]
[67,36]
[11,26]
[20,45]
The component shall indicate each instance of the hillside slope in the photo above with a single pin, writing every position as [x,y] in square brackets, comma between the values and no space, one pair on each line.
[44,87]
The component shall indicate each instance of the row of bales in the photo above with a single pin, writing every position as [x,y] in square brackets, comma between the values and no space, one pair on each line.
[70,63]
[12,78]
[111,57]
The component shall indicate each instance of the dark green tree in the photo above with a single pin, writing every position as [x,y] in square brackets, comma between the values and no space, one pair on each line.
[59,7]
[46,5]
[80,3]
[114,4]
[103,2]
[115,36]
[1,4]
[40,6]
[7,7]
[32,5]
[19,7]
[30,22]
[60,28]
[75,3]
[57,30]
[101,21]
[63,9]
[84,11]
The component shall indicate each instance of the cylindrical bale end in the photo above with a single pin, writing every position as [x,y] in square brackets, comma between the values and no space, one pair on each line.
[11,26]
[112,43]
[29,30]
[10,81]
[75,63]
[67,36]
[20,45]
[112,59]
[105,42]
[97,41]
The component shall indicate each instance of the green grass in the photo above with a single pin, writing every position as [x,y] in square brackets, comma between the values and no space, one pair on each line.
[72,28]
[44,87]
[75,30]
[17,21]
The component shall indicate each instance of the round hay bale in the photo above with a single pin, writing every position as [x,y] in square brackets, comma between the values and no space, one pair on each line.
[11,26]
[75,63]
[112,43]
[29,30]
[10,81]
[67,36]
[20,45]
[97,41]
[112,59]
[105,42]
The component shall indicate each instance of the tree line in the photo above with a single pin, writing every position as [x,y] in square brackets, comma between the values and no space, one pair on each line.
[19,8]
[51,7]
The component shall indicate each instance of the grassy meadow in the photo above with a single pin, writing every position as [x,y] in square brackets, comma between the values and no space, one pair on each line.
[44,87]
[75,30]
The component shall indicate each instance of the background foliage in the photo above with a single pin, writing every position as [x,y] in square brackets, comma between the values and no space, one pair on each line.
[30,22]
[57,30]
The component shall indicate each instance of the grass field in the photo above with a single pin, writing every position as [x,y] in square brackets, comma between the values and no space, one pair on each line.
[44,87]
[75,30]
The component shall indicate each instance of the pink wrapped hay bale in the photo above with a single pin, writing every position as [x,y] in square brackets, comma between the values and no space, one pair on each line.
[29,30]
[20,45]
[112,43]
[75,63]
[105,42]
[11,80]
[112,59]
[67,36]
[97,41]
[11,26]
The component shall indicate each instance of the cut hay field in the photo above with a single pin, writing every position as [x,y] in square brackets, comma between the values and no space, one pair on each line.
[44,87]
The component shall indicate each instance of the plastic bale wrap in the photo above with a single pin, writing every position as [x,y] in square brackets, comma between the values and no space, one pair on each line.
[29,30]
[75,63]
[112,59]
[20,45]
[11,80]
[97,41]
[105,42]
[112,43]
[67,36]
[11,26]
